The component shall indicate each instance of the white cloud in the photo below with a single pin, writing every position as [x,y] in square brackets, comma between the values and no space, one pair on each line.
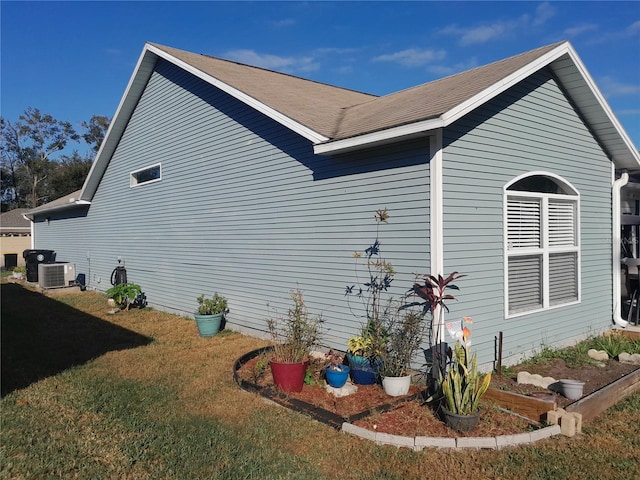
[500,29]
[618,35]
[286,22]
[273,62]
[612,88]
[481,33]
[544,12]
[412,57]
[580,29]
[634,28]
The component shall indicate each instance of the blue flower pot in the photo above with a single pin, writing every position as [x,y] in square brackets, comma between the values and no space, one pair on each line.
[337,378]
[363,370]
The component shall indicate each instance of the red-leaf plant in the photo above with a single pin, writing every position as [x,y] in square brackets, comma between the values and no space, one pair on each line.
[432,290]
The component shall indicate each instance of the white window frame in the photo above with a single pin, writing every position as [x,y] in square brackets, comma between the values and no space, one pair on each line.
[545,249]
[133,181]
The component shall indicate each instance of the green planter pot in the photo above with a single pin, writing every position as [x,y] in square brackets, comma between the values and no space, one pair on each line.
[208,325]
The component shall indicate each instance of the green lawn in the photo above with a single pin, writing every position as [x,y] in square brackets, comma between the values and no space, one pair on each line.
[139,395]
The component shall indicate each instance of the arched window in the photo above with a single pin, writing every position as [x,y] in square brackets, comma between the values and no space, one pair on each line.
[542,243]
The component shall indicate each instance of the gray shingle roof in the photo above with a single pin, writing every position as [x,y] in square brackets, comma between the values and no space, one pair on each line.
[432,99]
[338,113]
[13,221]
[316,105]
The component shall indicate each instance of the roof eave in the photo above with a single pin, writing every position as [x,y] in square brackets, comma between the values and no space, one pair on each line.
[618,145]
[135,88]
[55,208]
[381,137]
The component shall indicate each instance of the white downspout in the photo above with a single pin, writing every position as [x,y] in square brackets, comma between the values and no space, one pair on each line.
[617,294]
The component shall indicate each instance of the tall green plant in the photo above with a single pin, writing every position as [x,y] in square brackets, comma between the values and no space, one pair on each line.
[463,385]
[295,334]
[374,277]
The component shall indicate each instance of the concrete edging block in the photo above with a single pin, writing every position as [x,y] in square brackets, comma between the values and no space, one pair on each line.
[358,431]
[395,440]
[545,432]
[421,442]
[434,442]
[504,441]
[477,442]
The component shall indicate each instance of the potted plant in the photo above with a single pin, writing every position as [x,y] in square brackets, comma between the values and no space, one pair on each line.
[365,351]
[210,314]
[18,272]
[124,294]
[463,385]
[432,290]
[293,337]
[404,337]
[336,371]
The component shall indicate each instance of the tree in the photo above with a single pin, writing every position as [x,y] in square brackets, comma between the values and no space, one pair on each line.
[33,167]
[67,175]
[29,144]
[96,129]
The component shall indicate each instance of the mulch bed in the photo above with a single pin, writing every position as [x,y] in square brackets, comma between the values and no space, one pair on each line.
[370,407]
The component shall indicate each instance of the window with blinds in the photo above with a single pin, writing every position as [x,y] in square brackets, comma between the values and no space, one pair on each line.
[541,244]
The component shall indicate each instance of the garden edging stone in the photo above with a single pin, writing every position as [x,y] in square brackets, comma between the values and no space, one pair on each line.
[421,442]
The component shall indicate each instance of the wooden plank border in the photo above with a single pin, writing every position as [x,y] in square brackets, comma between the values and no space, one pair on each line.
[594,404]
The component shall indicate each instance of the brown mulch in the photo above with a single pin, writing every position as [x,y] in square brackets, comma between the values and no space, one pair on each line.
[412,416]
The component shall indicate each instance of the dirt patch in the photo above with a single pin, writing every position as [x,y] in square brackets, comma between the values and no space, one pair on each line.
[595,376]
[410,415]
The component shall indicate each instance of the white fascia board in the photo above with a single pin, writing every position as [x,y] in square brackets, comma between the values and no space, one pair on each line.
[565,49]
[487,94]
[604,105]
[375,138]
[136,85]
[72,203]
[288,122]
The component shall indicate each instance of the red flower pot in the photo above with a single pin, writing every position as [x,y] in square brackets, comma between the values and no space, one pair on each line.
[289,376]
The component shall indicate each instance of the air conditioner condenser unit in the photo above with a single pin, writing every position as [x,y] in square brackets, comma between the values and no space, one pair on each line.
[56,275]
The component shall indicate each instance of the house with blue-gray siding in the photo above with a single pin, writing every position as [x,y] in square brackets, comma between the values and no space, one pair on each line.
[216,176]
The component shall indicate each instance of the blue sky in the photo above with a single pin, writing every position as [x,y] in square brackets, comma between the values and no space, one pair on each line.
[74,59]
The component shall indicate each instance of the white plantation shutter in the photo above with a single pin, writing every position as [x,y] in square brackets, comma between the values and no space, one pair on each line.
[562,224]
[563,278]
[525,283]
[542,245]
[523,223]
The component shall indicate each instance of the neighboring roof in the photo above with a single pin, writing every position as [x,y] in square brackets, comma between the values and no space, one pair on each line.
[13,221]
[337,120]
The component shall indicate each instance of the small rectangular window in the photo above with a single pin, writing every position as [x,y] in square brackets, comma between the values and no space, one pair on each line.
[146,175]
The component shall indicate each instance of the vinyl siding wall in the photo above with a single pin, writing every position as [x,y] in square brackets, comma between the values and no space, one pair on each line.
[244,208]
[531,127]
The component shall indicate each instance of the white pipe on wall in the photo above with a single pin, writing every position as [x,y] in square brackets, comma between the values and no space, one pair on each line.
[617,293]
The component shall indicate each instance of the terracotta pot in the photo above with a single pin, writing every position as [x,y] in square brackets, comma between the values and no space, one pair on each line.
[289,376]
